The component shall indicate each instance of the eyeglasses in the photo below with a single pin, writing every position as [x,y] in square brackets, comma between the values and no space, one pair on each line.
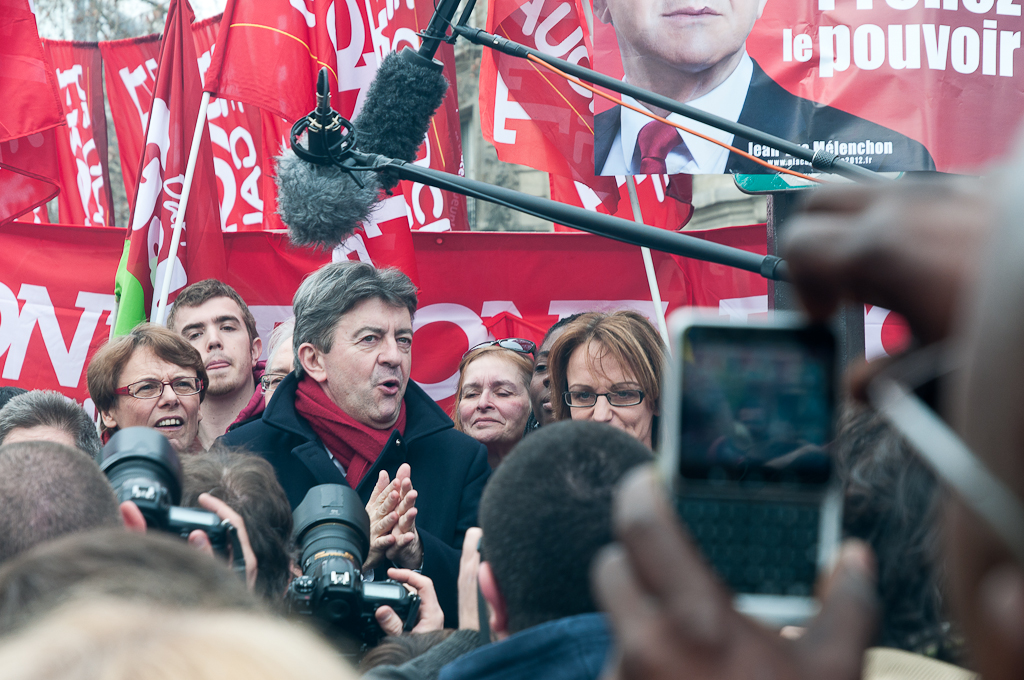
[584,399]
[270,381]
[942,449]
[517,345]
[151,389]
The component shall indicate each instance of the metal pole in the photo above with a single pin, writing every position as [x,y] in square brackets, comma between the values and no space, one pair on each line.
[652,279]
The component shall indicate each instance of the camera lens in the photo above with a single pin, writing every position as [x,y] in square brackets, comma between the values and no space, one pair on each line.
[142,467]
[332,518]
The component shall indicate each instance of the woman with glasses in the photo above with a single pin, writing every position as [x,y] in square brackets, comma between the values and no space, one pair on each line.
[492,403]
[150,378]
[607,368]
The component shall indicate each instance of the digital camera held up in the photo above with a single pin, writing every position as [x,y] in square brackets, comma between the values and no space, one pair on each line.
[143,468]
[332,530]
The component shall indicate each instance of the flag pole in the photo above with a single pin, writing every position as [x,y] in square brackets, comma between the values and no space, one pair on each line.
[652,280]
[179,218]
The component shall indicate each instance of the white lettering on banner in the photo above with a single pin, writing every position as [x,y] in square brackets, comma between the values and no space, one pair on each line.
[738,309]
[564,308]
[357,78]
[463,317]
[505,109]
[16,330]
[135,79]
[89,175]
[304,11]
[961,46]
[496,307]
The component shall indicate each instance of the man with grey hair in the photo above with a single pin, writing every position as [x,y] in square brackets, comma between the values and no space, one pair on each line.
[43,415]
[348,414]
[280,358]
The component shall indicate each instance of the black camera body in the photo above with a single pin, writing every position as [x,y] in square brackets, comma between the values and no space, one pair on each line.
[143,468]
[332,530]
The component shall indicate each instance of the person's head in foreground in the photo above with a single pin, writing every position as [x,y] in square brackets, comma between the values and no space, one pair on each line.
[248,485]
[280,358]
[48,490]
[152,378]
[111,639]
[42,415]
[492,403]
[545,513]
[153,568]
[353,338]
[607,368]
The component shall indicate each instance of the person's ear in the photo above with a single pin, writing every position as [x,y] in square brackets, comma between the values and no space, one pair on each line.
[601,12]
[312,361]
[132,518]
[109,421]
[1001,602]
[489,589]
[256,350]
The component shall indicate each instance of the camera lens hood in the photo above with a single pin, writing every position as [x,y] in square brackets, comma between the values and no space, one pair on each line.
[334,504]
[142,447]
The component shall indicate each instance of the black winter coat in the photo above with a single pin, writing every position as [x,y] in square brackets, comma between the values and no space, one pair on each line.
[449,470]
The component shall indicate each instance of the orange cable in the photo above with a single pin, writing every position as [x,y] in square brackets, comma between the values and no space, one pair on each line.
[618,101]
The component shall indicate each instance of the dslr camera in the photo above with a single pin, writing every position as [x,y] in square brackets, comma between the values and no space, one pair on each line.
[332,531]
[143,468]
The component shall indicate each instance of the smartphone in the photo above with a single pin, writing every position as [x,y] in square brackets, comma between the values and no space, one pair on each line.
[748,413]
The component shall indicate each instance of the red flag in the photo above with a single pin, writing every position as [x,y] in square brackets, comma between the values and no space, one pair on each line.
[85,196]
[657,208]
[268,55]
[130,66]
[172,120]
[30,112]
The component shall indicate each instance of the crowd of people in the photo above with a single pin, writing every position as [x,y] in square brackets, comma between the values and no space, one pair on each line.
[528,521]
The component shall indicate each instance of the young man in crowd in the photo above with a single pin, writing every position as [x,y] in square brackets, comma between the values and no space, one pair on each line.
[215,320]
[349,414]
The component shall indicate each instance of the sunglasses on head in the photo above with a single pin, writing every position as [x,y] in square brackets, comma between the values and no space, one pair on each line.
[517,345]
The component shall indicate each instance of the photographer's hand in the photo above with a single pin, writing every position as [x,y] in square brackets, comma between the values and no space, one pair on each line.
[671,616]
[199,540]
[430,615]
[407,550]
[383,518]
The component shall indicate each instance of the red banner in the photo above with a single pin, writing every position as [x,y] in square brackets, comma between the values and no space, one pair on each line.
[85,196]
[55,306]
[130,68]
[30,112]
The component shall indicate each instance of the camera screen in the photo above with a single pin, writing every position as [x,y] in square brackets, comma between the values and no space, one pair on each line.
[757,404]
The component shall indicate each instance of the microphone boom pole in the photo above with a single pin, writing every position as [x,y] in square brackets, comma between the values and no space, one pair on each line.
[676,243]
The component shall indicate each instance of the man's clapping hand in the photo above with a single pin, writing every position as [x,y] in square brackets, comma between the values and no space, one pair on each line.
[392,511]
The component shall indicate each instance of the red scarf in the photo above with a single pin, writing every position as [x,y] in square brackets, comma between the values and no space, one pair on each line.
[355,445]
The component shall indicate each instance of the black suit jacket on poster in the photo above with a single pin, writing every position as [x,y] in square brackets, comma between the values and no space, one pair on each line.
[770,108]
[449,470]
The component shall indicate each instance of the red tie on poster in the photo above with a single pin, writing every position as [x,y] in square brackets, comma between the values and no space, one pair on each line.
[161,175]
[85,196]
[29,173]
[54,306]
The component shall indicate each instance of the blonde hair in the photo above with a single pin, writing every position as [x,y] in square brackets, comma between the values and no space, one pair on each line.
[518,361]
[108,639]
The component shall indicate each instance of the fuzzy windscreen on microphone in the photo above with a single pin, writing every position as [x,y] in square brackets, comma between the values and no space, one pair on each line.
[322,205]
[397,111]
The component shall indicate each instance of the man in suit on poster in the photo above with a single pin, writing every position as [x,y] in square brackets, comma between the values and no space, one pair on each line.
[694,52]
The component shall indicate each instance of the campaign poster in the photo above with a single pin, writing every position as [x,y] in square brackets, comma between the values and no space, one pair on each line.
[890,85]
